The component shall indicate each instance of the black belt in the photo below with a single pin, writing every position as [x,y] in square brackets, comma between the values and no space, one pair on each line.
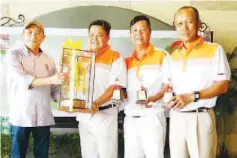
[106,107]
[202,109]
[136,116]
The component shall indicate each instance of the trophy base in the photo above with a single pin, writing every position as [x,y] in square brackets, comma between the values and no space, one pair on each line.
[79,104]
[75,105]
[75,110]
[141,102]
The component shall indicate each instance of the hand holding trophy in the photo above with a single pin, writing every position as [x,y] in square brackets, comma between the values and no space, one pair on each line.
[58,77]
[142,93]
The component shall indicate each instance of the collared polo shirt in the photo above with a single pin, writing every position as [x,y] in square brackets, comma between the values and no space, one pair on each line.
[110,69]
[197,68]
[151,72]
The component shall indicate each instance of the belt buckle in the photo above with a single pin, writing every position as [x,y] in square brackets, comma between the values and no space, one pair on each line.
[201,110]
[204,110]
[111,106]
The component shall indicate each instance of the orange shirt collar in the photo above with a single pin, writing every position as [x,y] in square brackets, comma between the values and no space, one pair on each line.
[193,45]
[102,51]
[149,51]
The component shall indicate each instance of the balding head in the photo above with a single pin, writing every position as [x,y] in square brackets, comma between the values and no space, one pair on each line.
[194,10]
[187,23]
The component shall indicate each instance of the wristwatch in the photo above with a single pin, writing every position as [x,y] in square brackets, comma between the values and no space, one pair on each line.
[196,96]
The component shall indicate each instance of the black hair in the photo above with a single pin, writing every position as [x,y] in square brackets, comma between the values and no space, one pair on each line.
[140,18]
[105,24]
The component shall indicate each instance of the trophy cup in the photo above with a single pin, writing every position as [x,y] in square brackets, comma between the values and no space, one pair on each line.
[168,94]
[117,92]
[142,93]
[77,89]
[117,96]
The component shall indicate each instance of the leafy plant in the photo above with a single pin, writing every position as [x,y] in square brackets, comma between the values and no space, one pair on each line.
[67,145]
[225,109]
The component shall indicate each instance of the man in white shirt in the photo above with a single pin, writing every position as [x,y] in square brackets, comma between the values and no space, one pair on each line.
[99,132]
[32,81]
[199,73]
[147,69]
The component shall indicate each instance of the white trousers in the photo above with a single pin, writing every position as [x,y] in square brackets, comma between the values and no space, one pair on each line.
[145,136]
[193,134]
[99,134]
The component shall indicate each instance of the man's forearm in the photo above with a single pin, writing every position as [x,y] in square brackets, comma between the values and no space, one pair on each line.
[38,82]
[106,96]
[214,90]
[158,95]
[56,79]
[180,101]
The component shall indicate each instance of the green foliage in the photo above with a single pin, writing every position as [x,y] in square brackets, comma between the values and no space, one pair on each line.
[225,109]
[68,144]
[2,52]
[5,145]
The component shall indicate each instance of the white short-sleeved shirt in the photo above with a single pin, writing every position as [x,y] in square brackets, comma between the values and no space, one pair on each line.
[110,69]
[152,71]
[197,69]
[29,107]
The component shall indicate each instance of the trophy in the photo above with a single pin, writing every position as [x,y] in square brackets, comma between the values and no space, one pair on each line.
[77,90]
[168,94]
[117,96]
[142,93]
[117,92]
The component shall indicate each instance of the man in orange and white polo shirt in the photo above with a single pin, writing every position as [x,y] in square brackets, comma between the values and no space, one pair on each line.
[99,132]
[145,124]
[199,73]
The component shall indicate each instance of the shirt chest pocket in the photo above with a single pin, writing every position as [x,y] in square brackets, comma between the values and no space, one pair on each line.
[43,71]
[43,68]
